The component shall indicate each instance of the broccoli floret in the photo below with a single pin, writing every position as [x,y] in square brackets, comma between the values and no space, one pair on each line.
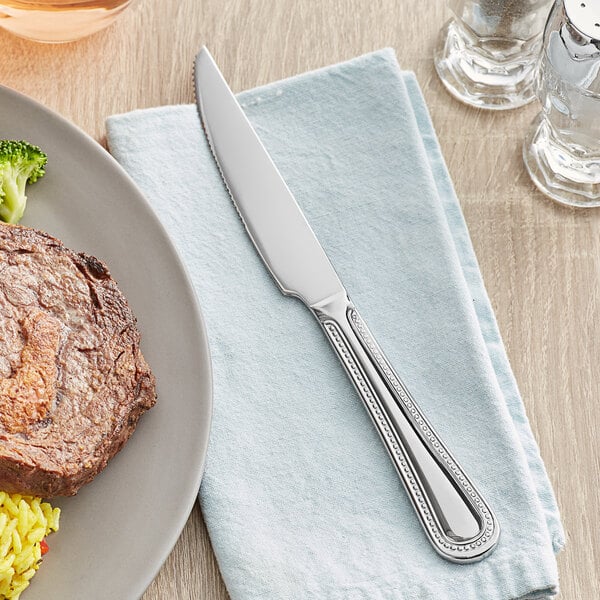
[20,163]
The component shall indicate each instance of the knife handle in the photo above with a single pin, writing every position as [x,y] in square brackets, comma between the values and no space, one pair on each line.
[457,520]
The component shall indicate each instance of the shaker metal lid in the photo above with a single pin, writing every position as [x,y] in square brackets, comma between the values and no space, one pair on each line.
[584,15]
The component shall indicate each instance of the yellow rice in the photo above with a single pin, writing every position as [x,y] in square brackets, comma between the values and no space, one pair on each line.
[24,522]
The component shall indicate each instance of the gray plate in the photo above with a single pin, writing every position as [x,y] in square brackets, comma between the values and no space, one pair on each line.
[116,533]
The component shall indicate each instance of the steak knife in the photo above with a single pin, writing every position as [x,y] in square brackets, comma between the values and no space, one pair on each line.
[456,519]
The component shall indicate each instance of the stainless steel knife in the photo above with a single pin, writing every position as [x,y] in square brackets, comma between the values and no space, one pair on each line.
[456,519]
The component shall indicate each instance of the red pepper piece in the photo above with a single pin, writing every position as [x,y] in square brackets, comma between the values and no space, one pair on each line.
[44,547]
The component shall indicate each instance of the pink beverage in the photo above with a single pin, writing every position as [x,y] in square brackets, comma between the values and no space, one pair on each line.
[57,21]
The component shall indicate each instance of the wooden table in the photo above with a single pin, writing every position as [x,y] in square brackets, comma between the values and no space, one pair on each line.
[540,261]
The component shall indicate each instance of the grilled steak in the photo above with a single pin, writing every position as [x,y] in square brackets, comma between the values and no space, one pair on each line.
[73,382]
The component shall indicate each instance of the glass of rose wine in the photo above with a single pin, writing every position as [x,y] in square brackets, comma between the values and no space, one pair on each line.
[56,21]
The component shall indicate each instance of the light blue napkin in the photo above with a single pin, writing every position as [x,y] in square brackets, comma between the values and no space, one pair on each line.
[299,496]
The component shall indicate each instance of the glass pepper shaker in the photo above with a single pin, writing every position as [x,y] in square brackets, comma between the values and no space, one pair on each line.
[487,52]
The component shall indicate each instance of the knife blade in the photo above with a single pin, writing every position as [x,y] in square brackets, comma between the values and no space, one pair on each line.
[455,517]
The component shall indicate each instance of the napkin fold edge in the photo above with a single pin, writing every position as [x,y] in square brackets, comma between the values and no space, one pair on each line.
[485,315]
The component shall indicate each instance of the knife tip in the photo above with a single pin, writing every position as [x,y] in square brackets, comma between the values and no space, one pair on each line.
[203,51]
[204,61]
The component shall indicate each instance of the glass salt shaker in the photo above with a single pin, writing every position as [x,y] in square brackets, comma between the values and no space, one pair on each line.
[487,52]
[562,150]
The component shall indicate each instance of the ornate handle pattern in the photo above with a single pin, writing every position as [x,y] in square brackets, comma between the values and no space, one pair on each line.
[457,520]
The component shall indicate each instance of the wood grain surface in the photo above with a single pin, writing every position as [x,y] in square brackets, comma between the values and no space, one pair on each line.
[540,261]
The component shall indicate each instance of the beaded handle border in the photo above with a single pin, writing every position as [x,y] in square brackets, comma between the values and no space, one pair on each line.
[451,547]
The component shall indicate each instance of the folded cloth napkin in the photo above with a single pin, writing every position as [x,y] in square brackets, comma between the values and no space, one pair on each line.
[299,496]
